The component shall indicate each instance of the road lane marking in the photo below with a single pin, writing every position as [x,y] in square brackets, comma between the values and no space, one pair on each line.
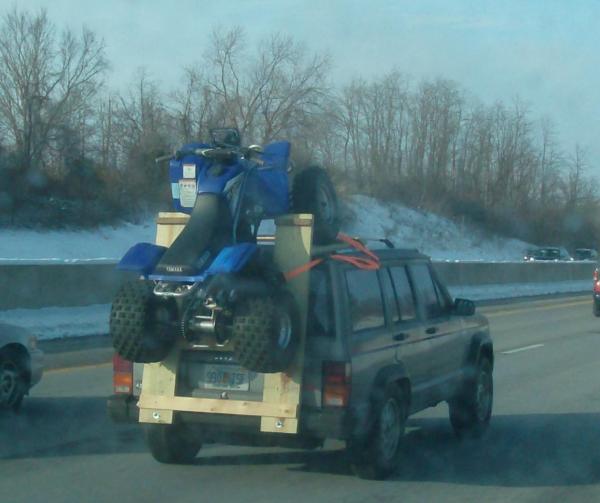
[524,348]
[542,308]
[79,367]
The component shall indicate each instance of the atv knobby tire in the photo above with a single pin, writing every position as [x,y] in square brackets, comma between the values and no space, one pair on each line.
[266,331]
[136,323]
[313,192]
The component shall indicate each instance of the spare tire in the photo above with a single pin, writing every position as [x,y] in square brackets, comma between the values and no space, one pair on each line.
[313,192]
[266,332]
[140,323]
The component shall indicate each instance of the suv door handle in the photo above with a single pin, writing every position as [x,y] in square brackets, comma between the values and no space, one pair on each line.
[431,330]
[400,337]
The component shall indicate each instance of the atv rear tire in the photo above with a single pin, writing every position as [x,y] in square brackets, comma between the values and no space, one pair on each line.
[137,326]
[313,192]
[266,331]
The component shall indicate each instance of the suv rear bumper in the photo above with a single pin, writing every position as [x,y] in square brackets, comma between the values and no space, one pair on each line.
[332,423]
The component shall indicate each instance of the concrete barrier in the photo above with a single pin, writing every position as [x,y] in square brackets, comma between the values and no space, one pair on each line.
[485,273]
[29,285]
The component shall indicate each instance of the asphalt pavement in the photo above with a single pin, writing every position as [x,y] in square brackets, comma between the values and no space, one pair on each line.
[542,444]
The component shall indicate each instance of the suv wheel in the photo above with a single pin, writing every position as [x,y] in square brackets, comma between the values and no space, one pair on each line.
[596,307]
[378,456]
[171,443]
[470,413]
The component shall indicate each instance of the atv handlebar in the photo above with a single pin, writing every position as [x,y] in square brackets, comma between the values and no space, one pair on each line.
[217,154]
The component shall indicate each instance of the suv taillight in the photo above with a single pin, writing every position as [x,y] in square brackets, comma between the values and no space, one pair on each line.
[122,375]
[336,384]
[596,281]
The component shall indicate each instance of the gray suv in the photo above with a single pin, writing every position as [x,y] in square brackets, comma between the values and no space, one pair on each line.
[381,345]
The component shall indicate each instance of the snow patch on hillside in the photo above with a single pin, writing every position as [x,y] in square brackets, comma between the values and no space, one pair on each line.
[433,235]
[436,236]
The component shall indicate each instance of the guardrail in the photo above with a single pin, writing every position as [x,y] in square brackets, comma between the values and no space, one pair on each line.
[35,285]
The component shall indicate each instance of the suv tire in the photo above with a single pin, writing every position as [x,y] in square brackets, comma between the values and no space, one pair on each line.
[378,455]
[266,331]
[171,443]
[136,327]
[313,192]
[470,413]
[596,308]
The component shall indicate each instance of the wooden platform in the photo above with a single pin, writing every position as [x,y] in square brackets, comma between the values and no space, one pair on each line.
[280,406]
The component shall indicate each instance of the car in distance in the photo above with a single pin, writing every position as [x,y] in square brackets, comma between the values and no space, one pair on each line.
[529,253]
[551,253]
[21,365]
[586,254]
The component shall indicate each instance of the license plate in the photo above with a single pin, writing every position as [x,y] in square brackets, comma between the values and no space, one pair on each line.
[187,193]
[226,377]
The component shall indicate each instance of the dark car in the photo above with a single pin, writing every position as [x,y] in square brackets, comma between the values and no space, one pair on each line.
[586,254]
[551,253]
[381,345]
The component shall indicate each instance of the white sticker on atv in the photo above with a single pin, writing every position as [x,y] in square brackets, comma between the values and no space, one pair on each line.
[189,171]
[187,193]
[175,190]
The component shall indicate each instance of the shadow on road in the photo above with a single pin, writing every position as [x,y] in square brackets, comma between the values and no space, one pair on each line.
[69,426]
[519,451]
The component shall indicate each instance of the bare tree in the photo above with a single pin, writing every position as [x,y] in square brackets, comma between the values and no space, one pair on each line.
[45,79]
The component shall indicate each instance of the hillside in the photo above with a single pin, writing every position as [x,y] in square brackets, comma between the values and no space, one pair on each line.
[438,237]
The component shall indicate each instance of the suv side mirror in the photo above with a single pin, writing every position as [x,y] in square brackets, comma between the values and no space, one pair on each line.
[464,307]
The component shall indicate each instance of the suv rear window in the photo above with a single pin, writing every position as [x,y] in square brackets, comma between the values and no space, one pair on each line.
[404,295]
[426,290]
[364,295]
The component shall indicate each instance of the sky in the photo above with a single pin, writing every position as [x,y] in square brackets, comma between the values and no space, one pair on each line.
[546,52]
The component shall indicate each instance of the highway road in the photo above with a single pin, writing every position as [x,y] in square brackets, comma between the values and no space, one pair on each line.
[543,444]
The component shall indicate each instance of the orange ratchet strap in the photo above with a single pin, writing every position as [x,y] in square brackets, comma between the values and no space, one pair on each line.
[369,263]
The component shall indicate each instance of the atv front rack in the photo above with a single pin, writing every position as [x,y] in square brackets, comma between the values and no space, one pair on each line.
[280,406]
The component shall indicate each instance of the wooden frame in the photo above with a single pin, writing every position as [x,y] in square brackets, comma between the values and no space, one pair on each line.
[280,406]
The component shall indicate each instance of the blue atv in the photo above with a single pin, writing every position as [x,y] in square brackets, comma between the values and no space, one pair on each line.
[214,285]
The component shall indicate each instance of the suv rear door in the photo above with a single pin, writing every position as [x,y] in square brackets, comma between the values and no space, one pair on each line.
[368,337]
[440,327]
[413,348]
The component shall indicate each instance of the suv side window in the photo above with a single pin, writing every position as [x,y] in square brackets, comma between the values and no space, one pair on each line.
[426,290]
[405,301]
[320,307]
[365,299]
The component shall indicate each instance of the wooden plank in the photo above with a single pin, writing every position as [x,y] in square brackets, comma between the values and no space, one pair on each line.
[293,241]
[175,218]
[161,378]
[292,220]
[215,406]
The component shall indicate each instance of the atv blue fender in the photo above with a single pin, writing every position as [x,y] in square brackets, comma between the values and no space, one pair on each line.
[141,258]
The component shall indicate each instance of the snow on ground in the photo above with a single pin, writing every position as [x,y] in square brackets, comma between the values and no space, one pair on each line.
[57,322]
[499,291]
[436,236]
[104,243]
